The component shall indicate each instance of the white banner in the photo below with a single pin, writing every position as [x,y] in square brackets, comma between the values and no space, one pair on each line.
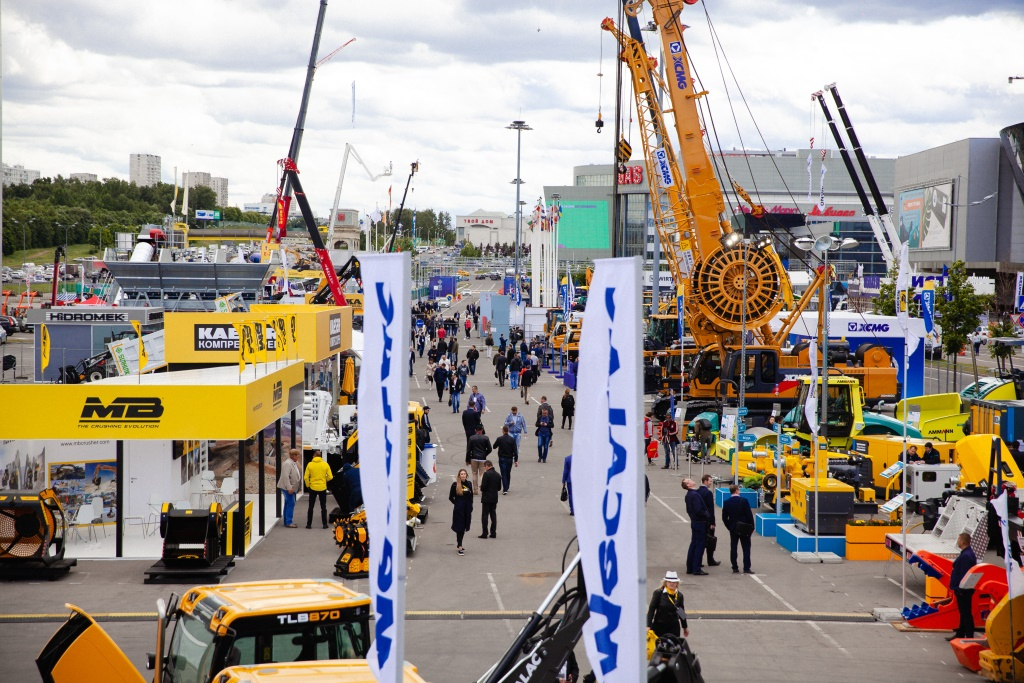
[383,436]
[903,300]
[821,194]
[811,404]
[608,477]
[1014,577]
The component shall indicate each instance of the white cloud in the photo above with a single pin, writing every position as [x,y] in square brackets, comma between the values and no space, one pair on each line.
[214,85]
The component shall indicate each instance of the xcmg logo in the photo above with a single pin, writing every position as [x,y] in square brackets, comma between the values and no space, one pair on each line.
[867,327]
[142,412]
[675,47]
[679,71]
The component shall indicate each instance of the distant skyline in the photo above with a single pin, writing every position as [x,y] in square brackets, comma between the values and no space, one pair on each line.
[214,86]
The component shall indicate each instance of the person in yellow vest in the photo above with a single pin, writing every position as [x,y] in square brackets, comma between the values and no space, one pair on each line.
[318,474]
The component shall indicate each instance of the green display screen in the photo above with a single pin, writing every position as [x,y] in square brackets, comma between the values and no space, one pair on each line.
[584,225]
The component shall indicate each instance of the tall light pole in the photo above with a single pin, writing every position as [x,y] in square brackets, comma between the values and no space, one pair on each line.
[519,127]
[823,245]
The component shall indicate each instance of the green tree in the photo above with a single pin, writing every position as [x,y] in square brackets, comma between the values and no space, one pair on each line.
[885,302]
[469,251]
[1004,328]
[959,309]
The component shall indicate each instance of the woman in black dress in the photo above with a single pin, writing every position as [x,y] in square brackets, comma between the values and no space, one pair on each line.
[461,496]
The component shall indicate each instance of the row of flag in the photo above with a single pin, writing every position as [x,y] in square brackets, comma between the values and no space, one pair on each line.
[255,338]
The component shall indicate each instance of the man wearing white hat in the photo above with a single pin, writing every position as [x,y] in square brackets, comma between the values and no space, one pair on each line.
[667,611]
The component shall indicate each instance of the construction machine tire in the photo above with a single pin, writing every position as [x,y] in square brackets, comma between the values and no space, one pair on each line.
[95,376]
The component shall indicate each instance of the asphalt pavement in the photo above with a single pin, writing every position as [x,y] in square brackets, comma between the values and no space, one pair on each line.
[788,622]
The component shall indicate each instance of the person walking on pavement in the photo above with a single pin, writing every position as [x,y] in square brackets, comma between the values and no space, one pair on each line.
[478,398]
[544,405]
[543,435]
[440,380]
[527,379]
[738,518]
[472,356]
[515,366]
[964,596]
[502,343]
[456,385]
[463,371]
[567,482]
[568,407]
[490,484]
[470,421]
[318,474]
[453,350]
[508,456]
[479,449]
[289,481]
[421,340]
[669,437]
[524,352]
[667,611]
[412,358]
[516,424]
[698,513]
[461,497]
[426,421]
[709,502]
[500,366]
[469,325]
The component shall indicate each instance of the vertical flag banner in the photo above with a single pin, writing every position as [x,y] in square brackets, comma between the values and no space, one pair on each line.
[608,479]
[242,333]
[1019,298]
[903,301]
[811,405]
[821,194]
[383,434]
[44,347]
[143,356]
[280,337]
[260,338]
[928,305]
[293,332]
[1014,577]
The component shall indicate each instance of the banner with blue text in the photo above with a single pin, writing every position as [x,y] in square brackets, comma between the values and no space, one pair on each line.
[383,434]
[608,477]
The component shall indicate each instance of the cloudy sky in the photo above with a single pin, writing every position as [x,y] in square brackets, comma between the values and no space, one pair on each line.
[214,85]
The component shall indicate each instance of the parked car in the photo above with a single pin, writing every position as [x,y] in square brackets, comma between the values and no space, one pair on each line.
[8,324]
[3,335]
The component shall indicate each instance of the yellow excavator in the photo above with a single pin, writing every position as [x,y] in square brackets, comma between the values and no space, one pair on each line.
[212,628]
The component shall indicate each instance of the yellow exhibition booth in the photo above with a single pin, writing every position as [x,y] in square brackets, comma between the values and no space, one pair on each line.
[152,437]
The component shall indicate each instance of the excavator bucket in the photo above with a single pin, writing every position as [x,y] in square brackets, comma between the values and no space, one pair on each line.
[82,652]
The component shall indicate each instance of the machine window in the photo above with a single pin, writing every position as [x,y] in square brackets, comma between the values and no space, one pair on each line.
[346,640]
[190,652]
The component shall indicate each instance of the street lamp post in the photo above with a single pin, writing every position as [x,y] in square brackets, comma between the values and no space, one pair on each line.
[823,245]
[519,127]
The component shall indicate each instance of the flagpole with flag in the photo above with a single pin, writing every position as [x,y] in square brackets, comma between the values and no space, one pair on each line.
[903,316]
[383,418]
[608,480]
[811,413]
[44,348]
[143,356]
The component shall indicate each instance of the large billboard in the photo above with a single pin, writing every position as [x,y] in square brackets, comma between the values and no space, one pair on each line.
[583,225]
[925,218]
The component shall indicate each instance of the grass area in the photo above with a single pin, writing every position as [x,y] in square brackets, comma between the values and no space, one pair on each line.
[44,255]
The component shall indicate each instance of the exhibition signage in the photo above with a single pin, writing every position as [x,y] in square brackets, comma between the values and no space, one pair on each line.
[214,402]
[608,486]
[383,434]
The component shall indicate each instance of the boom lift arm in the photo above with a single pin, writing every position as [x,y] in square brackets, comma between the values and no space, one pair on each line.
[874,220]
[350,150]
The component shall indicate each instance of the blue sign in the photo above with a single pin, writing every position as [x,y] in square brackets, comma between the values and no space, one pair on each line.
[742,411]
[748,438]
[777,428]
[741,426]
[786,439]
[419,322]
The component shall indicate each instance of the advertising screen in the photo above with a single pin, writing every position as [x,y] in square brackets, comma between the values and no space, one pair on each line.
[583,225]
[924,217]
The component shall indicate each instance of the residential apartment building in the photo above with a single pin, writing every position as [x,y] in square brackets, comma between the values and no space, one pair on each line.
[144,169]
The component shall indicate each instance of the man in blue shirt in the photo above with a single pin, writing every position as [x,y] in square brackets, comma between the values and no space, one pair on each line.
[964,596]
[478,398]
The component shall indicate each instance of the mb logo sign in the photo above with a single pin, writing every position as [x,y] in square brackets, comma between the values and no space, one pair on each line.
[278,393]
[140,412]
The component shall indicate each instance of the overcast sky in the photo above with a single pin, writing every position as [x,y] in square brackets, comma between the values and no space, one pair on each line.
[214,85]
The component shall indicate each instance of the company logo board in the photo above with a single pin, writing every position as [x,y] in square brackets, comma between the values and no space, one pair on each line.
[223,338]
[335,332]
[139,412]
[662,166]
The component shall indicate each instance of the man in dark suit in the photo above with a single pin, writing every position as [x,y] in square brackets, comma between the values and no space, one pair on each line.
[964,596]
[470,419]
[709,502]
[490,484]
[699,516]
[738,518]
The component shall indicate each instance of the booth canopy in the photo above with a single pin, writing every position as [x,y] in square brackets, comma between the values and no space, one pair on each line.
[212,403]
[211,338]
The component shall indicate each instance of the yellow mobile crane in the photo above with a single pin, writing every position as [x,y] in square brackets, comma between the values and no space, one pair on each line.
[727,285]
